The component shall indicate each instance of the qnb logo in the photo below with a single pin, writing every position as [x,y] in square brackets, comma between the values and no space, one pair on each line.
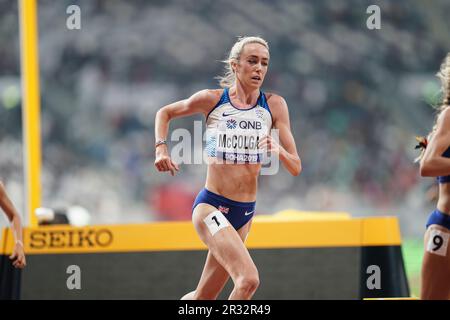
[231,124]
[250,125]
[84,238]
[244,124]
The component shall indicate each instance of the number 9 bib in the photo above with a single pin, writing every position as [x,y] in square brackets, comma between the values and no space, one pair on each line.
[438,242]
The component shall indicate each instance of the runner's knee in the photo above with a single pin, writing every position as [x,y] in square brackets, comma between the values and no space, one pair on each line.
[248,283]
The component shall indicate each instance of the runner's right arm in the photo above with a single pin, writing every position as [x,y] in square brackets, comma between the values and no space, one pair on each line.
[200,102]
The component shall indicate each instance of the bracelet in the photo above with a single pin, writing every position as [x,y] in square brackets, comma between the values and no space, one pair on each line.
[160,142]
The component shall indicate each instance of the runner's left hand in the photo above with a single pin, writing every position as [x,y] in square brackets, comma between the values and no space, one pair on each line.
[268,144]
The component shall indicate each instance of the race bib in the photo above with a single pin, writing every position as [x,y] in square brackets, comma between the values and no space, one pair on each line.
[438,242]
[216,221]
[237,139]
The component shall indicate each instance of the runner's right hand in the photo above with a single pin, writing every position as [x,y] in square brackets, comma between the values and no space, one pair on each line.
[163,161]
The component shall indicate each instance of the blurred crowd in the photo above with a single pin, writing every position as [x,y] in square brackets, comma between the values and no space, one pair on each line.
[356,97]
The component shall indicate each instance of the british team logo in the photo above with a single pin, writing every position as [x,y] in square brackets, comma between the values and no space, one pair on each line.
[223,209]
[259,113]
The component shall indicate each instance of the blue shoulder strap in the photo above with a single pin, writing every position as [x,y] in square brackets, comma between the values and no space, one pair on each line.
[223,99]
[263,102]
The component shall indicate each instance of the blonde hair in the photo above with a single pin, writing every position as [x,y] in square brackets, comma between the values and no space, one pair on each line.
[228,79]
[444,75]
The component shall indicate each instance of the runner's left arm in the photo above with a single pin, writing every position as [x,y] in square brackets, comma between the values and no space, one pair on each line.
[286,149]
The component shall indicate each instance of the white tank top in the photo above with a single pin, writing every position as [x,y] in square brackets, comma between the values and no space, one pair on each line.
[232,134]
